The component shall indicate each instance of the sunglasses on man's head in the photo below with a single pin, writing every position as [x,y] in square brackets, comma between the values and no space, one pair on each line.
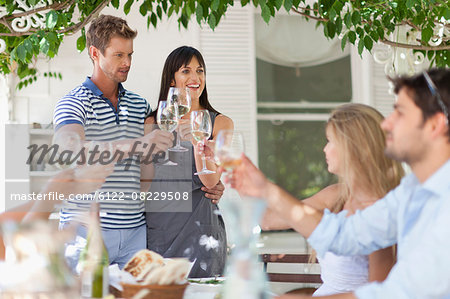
[435,93]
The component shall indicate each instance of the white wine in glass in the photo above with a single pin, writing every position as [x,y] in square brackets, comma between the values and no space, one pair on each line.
[167,119]
[201,126]
[229,148]
[182,99]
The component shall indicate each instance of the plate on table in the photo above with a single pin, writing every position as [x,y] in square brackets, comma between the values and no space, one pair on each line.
[205,285]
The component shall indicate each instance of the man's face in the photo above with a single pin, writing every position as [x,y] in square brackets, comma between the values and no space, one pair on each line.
[115,63]
[406,138]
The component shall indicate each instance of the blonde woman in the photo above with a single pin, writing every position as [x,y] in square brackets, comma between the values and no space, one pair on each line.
[355,153]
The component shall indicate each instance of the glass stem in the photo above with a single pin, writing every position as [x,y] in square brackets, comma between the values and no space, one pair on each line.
[204,162]
[166,154]
[178,139]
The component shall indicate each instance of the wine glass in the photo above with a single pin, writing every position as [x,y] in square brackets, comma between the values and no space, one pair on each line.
[228,149]
[201,129]
[68,150]
[182,98]
[167,119]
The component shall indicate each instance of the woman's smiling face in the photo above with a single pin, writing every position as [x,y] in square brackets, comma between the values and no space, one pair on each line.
[191,76]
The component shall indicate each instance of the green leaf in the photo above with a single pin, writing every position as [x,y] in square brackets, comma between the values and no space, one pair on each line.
[348,20]
[344,42]
[33,2]
[352,37]
[164,6]
[368,43]
[426,34]
[51,19]
[272,10]
[215,5]
[212,21]
[21,52]
[374,35]
[44,45]
[356,18]
[265,14]
[360,46]
[143,9]
[331,29]
[191,10]
[153,19]
[380,32]
[28,45]
[331,14]
[127,6]
[360,31]
[115,4]
[278,4]
[199,13]
[169,13]
[447,14]
[296,3]
[338,6]
[81,43]
[410,3]
[338,23]
[287,5]
[159,12]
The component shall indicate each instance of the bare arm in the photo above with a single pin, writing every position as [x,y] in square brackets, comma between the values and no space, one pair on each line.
[249,180]
[81,180]
[323,199]
[381,263]
[153,142]
[222,122]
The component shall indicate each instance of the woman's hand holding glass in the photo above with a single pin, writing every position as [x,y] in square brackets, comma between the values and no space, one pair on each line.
[167,119]
[201,130]
[181,98]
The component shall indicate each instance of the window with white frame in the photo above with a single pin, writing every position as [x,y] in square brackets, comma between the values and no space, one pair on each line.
[293,106]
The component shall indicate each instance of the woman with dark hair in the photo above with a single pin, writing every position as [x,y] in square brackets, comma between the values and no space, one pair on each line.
[199,234]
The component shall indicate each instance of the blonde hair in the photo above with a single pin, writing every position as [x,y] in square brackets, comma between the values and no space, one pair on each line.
[360,142]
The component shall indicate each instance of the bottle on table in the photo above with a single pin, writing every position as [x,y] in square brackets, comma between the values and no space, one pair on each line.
[94,261]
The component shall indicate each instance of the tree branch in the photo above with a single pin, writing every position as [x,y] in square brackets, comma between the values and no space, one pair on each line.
[415,47]
[69,30]
[74,28]
[29,32]
[407,22]
[307,15]
[55,6]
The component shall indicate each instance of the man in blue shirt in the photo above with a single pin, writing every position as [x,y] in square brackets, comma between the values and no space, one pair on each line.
[102,110]
[415,215]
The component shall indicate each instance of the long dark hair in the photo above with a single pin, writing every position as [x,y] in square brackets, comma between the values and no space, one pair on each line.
[178,58]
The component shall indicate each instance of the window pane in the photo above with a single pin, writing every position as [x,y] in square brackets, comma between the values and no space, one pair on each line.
[291,154]
[329,82]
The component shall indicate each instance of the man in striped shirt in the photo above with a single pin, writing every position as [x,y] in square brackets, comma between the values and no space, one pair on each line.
[101,109]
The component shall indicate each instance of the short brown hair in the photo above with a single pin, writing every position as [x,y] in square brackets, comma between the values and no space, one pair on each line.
[105,27]
[417,88]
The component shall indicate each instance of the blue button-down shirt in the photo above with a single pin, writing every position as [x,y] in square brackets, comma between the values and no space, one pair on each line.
[423,266]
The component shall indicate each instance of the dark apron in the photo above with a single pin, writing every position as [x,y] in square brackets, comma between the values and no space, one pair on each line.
[197,235]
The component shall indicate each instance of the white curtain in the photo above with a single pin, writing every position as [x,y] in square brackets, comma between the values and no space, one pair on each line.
[291,41]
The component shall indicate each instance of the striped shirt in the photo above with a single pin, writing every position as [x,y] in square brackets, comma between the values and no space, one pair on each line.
[87,106]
